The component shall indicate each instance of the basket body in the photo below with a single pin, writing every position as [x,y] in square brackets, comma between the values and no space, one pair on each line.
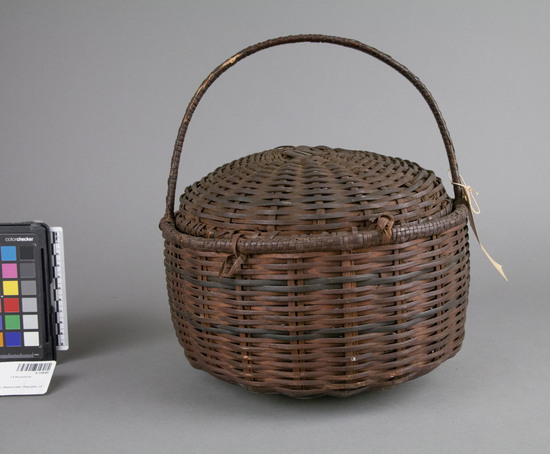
[291,302]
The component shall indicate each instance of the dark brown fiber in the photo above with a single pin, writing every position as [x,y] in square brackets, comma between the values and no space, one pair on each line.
[313,271]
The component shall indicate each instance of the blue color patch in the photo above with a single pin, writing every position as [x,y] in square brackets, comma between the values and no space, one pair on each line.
[13,339]
[9,253]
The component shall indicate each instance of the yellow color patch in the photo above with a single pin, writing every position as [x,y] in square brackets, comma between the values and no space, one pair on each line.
[11,288]
[1,340]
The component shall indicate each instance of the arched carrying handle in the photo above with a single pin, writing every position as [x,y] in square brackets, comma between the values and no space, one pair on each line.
[172,179]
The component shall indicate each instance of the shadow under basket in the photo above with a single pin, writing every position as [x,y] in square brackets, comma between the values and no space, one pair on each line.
[313,271]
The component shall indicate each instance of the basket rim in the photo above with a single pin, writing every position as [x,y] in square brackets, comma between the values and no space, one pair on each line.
[336,241]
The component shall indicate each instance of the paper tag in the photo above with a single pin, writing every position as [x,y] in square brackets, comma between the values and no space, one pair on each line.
[19,378]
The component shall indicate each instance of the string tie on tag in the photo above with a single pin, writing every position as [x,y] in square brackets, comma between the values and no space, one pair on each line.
[470,198]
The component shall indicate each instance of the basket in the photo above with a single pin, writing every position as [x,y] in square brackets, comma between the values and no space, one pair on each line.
[311,271]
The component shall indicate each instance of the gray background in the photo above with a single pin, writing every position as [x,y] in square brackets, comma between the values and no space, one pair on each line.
[91,97]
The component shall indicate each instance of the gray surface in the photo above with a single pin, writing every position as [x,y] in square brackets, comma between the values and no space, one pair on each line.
[91,96]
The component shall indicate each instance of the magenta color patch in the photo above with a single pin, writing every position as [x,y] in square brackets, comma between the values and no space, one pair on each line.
[9,270]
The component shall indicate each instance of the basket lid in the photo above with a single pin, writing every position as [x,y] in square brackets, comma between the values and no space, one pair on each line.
[310,190]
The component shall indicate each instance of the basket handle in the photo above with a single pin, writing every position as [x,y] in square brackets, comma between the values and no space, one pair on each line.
[217,72]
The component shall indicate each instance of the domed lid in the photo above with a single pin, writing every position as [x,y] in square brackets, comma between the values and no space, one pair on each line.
[310,190]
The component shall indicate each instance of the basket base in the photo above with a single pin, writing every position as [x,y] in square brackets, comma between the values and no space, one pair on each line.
[298,385]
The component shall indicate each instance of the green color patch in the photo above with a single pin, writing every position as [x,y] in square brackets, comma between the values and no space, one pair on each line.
[12,322]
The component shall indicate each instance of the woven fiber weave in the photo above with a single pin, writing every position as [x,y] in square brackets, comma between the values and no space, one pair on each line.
[313,271]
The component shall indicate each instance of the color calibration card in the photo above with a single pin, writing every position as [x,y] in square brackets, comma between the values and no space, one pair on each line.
[32,303]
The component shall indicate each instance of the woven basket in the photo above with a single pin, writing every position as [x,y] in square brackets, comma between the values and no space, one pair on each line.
[313,271]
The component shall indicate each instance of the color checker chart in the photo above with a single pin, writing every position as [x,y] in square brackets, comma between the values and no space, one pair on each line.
[26,314]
